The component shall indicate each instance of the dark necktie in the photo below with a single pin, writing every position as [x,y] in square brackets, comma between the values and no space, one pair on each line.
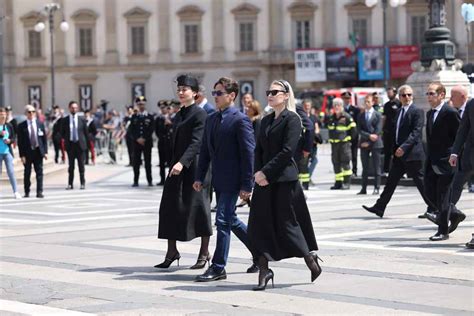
[433,111]
[460,113]
[216,128]
[33,142]
[402,117]
[74,130]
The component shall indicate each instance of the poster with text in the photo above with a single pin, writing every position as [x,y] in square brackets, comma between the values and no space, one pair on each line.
[401,58]
[340,64]
[310,65]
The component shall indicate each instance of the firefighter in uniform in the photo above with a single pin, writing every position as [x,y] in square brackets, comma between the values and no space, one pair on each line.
[142,127]
[341,128]
[304,147]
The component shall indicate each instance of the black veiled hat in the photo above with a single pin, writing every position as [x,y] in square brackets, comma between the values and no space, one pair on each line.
[189,81]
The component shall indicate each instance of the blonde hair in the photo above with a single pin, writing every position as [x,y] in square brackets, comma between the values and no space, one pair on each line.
[29,107]
[290,103]
[257,109]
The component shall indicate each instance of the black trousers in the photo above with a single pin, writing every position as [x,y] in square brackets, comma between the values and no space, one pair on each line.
[137,159]
[129,143]
[438,190]
[354,148]
[398,169]
[57,149]
[460,179]
[388,144]
[76,153]
[365,155]
[37,161]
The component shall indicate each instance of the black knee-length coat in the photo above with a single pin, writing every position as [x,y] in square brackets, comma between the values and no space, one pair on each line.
[279,221]
[184,213]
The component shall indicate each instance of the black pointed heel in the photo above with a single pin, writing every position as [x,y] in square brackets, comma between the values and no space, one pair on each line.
[168,261]
[263,281]
[311,261]
[201,263]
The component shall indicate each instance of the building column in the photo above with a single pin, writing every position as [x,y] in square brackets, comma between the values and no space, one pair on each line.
[330,18]
[111,51]
[164,29]
[218,49]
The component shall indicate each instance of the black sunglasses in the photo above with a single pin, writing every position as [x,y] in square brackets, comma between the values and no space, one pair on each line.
[273,92]
[31,111]
[218,93]
[431,93]
[406,95]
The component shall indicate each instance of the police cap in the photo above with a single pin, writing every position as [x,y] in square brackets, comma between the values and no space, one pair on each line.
[140,99]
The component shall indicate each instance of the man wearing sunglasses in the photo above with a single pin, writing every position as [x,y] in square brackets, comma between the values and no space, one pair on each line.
[441,128]
[228,144]
[408,152]
[33,147]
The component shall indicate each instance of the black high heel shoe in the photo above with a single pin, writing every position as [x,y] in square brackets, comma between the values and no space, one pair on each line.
[168,261]
[262,281]
[201,262]
[311,261]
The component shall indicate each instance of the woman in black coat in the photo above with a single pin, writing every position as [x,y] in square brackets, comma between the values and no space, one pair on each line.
[184,213]
[279,222]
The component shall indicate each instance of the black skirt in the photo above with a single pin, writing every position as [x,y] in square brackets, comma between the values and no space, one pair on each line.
[184,213]
[279,222]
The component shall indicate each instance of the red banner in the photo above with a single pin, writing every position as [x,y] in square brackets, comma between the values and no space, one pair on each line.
[401,58]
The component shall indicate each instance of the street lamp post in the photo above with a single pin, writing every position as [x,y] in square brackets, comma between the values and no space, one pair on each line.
[394,4]
[50,9]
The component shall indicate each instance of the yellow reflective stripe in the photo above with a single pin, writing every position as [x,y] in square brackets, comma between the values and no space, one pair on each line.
[339,176]
[347,138]
[330,127]
[353,124]
[347,172]
[343,128]
[304,177]
[334,141]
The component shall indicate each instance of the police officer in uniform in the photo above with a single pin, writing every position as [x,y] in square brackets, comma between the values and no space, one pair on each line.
[341,128]
[141,128]
[354,112]
[389,124]
[163,130]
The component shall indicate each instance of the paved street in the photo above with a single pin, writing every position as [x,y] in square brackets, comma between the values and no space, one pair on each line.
[92,252]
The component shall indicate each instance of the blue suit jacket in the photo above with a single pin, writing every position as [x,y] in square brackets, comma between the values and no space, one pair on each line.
[209,108]
[232,155]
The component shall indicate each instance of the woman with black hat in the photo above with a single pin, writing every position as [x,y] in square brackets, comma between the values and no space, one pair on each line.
[184,213]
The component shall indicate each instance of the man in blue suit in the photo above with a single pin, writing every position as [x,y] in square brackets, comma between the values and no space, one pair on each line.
[202,101]
[228,144]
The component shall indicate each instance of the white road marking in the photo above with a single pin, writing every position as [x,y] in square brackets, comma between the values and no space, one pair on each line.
[118,210]
[37,310]
[71,220]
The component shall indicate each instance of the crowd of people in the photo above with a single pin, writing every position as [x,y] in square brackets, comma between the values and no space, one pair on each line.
[264,156]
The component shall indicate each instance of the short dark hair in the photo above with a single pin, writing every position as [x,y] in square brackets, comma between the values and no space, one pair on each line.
[71,103]
[439,87]
[2,109]
[87,111]
[230,85]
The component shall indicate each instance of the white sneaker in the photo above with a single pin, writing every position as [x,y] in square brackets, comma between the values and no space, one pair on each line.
[18,196]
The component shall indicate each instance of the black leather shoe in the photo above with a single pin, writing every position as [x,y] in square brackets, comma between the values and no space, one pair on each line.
[161,183]
[39,195]
[134,185]
[150,184]
[69,187]
[336,186]
[27,195]
[422,215]
[376,192]
[432,217]
[253,268]
[211,275]
[470,244]
[83,187]
[372,209]
[439,237]
[361,192]
[455,222]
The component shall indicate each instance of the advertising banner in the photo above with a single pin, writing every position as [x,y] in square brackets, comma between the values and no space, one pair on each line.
[310,65]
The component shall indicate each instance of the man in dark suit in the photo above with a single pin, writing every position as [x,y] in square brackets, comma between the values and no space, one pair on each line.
[202,101]
[354,111]
[441,127]
[369,125]
[76,137]
[465,139]
[408,155]
[33,147]
[163,131]
[229,145]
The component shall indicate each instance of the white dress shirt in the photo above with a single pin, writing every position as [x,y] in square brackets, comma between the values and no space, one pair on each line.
[75,118]
[438,108]
[32,125]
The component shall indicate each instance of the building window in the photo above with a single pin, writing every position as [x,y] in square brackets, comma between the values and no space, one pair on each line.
[34,44]
[138,40]
[85,42]
[418,28]
[359,28]
[246,32]
[191,38]
[303,34]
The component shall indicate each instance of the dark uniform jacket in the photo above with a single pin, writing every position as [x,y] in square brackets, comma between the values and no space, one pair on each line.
[342,128]
[142,126]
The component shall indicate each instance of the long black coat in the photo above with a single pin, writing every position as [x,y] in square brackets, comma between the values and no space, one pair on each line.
[279,221]
[184,213]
